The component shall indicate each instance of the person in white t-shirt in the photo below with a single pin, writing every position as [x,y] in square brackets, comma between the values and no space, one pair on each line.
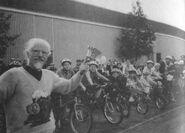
[148,71]
[25,91]
[127,66]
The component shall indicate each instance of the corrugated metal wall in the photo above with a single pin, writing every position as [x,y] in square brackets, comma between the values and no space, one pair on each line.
[43,28]
[70,39]
[20,24]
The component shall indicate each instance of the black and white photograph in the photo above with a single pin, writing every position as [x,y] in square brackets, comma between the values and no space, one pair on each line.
[92,66]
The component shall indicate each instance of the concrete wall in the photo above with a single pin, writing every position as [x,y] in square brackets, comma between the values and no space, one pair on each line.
[70,38]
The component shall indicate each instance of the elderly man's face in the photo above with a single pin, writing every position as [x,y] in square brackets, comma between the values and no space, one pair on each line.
[38,55]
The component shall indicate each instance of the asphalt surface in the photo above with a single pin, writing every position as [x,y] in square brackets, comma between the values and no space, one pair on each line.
[169,120]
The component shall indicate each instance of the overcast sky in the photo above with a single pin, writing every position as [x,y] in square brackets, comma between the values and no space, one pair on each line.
[171,12]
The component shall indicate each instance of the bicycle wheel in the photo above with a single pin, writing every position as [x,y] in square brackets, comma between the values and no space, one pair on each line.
[81,120]
[113,112]
[125,109]
[160,103]
[142,107]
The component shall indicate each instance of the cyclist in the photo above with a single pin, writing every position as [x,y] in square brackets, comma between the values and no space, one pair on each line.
[101,70]
[134,84]
[118,83]
[127,66]
[66,70]
[149,73]
[157,76]
[78,63]
[156,71]
[93,79]
[93,76]
[170,67]
[169,77]
[58,99]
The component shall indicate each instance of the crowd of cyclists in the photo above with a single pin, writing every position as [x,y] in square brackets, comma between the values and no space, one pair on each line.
[165,78]
[167,73]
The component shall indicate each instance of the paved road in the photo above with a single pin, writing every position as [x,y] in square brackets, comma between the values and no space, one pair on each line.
[170,120]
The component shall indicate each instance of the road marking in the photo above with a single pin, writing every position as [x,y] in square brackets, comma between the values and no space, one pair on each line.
[150,119]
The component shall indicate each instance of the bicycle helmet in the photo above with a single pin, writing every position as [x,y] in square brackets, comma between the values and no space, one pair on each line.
[168,57]
[150,62]
[157,64]
[116,70]
[181,62]
[183,71]
[132,71]
[93,63]
[66,60]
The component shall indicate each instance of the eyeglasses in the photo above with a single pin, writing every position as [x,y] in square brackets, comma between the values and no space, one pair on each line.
[36,52]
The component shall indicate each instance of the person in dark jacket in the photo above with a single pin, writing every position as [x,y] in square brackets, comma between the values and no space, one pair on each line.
[118,83]
[2,66]
[78,63]
[162,66]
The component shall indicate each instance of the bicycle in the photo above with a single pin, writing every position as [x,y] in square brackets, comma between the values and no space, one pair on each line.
[111,109]
[138,99]
[76,114]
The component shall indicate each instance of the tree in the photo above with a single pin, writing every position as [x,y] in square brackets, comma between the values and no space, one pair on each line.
[5,38]
[138,38]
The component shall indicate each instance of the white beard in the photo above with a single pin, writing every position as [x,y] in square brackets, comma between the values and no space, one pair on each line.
[38,65]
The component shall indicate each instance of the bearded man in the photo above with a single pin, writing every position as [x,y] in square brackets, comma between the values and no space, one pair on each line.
[25,91]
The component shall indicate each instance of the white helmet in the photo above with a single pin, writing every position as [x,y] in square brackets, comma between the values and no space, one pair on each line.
[183,71]
[93,63]
[181,62]
[116,70]
[157,64]
[168,57]
[66,60]
[150,62]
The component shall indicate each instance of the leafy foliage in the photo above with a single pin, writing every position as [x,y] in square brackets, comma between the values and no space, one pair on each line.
[138,38]
[5,38]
